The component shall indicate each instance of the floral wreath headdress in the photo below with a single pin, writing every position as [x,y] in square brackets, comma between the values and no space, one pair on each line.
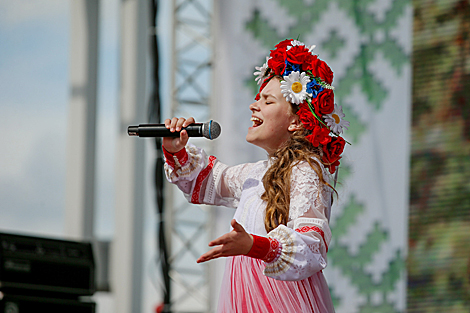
[307,83]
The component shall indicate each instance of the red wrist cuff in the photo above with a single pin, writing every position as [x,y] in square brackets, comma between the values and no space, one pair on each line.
[171,158]
[260,247]
[264,248]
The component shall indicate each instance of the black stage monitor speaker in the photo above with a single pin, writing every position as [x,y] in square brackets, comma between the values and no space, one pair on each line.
[33,265]
[25,304]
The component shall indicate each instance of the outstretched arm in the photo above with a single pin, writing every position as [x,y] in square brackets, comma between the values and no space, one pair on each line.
[236,242]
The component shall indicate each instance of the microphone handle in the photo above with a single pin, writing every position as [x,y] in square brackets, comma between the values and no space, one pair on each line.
[159,130]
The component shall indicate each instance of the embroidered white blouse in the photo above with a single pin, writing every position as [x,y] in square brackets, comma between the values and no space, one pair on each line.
[297,252]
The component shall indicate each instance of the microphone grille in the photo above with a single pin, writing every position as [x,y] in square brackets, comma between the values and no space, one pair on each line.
[211,130]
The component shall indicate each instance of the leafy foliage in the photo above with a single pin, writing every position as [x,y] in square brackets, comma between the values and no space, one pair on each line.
[439,254]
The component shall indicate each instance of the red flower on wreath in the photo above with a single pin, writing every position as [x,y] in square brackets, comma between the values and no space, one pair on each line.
[322,70]
[332,152]
[306,117]
[284,44]
[320,135]
[277,61]
[310,62]
[324,103]
[297,54]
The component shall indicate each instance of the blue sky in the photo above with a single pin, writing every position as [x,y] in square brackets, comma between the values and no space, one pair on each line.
[34,69]
[34,99]
[33,108]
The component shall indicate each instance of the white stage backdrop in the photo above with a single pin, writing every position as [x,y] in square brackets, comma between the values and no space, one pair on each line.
[368,46]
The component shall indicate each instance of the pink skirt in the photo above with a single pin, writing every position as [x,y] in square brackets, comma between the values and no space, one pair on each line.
[245,289]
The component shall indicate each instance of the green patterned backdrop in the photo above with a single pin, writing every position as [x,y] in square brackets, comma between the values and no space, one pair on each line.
[376,38]
[401,224]
[439,233]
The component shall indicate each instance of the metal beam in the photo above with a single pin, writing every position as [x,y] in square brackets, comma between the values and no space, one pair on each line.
[81,125]
[189,226]
[127,246]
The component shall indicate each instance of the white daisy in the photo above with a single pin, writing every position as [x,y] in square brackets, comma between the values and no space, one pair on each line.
[311,49]
[297,43]
[261,72]
[335,120]
[294,87]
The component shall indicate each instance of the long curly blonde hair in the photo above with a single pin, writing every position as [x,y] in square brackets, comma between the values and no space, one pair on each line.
[277,180]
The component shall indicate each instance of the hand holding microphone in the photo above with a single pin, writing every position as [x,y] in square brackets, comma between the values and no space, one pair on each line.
[176,132]
[174,145]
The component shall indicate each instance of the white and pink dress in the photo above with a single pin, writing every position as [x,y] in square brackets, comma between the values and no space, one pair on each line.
[283,271]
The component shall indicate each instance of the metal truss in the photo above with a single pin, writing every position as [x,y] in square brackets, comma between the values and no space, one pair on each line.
[188,226]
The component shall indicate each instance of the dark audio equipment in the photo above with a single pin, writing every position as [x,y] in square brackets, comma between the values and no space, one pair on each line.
[28,304]
[43,266]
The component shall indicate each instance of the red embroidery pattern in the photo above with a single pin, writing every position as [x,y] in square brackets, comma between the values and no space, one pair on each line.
[306,229]
[184,159]
[200,178]
[181,155]
[273,250]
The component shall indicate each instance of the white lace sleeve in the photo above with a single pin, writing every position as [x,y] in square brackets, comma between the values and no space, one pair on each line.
[204,179]
[307,192]
[303,244]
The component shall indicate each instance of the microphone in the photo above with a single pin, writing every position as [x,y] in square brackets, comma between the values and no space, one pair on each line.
[210,130]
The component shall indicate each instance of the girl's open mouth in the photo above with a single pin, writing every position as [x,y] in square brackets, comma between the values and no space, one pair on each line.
[256,121]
